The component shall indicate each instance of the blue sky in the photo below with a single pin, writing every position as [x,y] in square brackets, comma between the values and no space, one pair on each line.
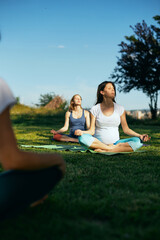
[67,46]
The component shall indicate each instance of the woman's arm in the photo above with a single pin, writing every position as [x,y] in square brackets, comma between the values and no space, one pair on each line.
[66,124]
[12,158]
[91,130]
[87,117]
[130,132]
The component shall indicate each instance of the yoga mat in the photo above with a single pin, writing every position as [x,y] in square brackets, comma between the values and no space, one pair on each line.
[74,148]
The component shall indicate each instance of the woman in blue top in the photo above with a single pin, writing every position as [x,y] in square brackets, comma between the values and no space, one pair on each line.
[75,118]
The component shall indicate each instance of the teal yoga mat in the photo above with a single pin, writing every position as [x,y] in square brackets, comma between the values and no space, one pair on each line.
[74,148]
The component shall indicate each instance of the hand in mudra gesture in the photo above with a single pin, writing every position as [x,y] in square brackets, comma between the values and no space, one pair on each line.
[145,137]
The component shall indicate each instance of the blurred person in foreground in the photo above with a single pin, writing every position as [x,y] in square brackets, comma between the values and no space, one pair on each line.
[27,177]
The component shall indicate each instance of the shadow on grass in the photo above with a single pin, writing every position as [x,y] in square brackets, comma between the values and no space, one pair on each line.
[38,119]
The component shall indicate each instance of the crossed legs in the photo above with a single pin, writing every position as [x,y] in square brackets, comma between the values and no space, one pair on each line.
[125,145]
[98,146]
[63,138]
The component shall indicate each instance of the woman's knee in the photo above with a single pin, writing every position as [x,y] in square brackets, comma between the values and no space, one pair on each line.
[136,139]
[86,140]
[136,143]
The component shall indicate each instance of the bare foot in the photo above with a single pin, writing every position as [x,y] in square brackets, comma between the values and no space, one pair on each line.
[39,201]
[111,146]
[100,150]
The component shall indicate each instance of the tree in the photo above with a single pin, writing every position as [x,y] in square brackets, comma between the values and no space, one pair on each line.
[45,99]
[57,102]
[17,100]
[52,101]
[139,65]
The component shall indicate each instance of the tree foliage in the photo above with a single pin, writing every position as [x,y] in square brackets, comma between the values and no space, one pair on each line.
[45,99]
[139,65]
[52,101]
[17,100]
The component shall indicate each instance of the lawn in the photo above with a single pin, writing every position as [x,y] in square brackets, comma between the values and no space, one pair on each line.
[100,197]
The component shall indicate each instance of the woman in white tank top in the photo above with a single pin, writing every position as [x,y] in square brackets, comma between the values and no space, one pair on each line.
[106,116]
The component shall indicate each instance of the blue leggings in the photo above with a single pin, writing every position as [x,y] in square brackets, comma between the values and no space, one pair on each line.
[135,143]
[18,189]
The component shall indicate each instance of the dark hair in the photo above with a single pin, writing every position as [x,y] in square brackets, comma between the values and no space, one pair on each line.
[72,105]
[101,88]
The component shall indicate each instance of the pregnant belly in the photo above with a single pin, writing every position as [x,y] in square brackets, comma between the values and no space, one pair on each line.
[108,136]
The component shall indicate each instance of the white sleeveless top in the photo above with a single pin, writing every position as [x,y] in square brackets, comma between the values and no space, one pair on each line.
[6,97]
[107,127]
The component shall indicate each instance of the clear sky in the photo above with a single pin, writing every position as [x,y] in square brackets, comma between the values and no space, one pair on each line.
[67,46]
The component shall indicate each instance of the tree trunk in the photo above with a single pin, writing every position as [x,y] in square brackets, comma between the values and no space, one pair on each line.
[153,105]
[154,113]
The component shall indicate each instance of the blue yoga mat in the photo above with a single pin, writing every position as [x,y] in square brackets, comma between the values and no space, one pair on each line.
[74,148]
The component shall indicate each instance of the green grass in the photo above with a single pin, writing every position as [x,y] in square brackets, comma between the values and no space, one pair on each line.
[100,197]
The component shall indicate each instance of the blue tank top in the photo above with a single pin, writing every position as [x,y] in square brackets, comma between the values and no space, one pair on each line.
[79,123]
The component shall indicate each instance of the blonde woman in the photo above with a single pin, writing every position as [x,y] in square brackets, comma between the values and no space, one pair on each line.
[75,118]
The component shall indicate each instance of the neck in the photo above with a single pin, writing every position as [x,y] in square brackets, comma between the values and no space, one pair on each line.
[107,102]
[77,108]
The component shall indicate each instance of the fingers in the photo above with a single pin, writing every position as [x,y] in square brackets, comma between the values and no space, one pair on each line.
[145,137]
[78,132]
[53,131]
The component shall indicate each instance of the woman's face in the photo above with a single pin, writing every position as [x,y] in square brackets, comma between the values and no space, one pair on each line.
[108,91]
[77,100]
